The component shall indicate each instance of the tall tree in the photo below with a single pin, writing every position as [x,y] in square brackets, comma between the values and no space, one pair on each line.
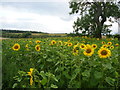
[93,15]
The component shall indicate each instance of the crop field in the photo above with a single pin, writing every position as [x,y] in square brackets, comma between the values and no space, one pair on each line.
[61,62]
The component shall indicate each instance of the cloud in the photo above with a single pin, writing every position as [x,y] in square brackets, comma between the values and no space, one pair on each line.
[43,16]
[114,27]
[34,0]
[13,18]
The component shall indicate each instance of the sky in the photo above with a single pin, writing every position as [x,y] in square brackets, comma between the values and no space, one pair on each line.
[45,16]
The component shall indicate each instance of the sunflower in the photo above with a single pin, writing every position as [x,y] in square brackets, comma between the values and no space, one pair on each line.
[37,41]
[68,41]
[30,41]
[104,46]
[69,44]
[65,43]
[53,42]
[16,47]
[60,42]
[37,47]
[83,41]
[112,47]
[116,44]
[88,51]
[76,47]
[30,74]
[82,46]
[98,39]
[88,45]
[104,53]
[26,45]
[75,52]
[109,43]
[103,42]
[94,46]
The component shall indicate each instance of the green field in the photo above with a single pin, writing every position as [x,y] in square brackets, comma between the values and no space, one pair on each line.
[62,62]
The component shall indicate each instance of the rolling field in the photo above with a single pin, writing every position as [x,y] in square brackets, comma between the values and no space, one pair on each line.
[63,62]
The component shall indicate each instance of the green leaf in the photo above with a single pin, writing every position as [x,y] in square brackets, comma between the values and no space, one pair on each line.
[110,81]
[98,75]
[14,85]
[53,77]
[107,66]
[65,73]
[42,74]
[45,56]
[86,73]
[49,60]
[43,81]
[53,86]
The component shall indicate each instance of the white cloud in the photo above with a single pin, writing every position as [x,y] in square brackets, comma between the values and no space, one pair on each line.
[114,26]
[47,23]
[34,0]
[14,18]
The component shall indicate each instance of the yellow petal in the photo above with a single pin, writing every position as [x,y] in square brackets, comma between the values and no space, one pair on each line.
[29,73]
[31,70]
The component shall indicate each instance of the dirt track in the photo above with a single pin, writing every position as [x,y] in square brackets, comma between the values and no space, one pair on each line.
[3,38]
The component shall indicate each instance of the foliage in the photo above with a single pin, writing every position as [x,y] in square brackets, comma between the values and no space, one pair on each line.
[41,80]
[56,65]
[93,15]
[26,34]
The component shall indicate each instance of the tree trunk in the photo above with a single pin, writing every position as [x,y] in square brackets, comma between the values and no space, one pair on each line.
[99,12]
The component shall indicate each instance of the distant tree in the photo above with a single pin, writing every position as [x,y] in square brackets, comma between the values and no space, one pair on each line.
[93,15]
[26,34]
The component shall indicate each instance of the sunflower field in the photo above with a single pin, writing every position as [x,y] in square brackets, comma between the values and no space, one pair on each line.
[63,62]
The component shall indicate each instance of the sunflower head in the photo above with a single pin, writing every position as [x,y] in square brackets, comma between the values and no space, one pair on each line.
[109,43]
[68,41]
[94,46]
[60,42]
[82,46]
[76,47]
[26,45]
[53,42]
[37,47]
[98,39]
[37,41]
[103,42]
[30,42]
[75,52]
[88,45]
[65,43]
[83,41]
[16,47]
[104,46]
[69,44]
[104,53]
[112,47]
[88,51]
[31,70]
[116,44]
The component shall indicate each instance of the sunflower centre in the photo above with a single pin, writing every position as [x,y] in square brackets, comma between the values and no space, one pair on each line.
[88,50]
[94,46]
[104,52]
[37,48]
[16,47]
[82,46]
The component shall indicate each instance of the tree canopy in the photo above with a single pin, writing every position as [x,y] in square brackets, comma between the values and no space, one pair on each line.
[93,15]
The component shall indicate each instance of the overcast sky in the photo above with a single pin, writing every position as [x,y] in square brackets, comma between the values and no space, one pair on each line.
[51,17]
